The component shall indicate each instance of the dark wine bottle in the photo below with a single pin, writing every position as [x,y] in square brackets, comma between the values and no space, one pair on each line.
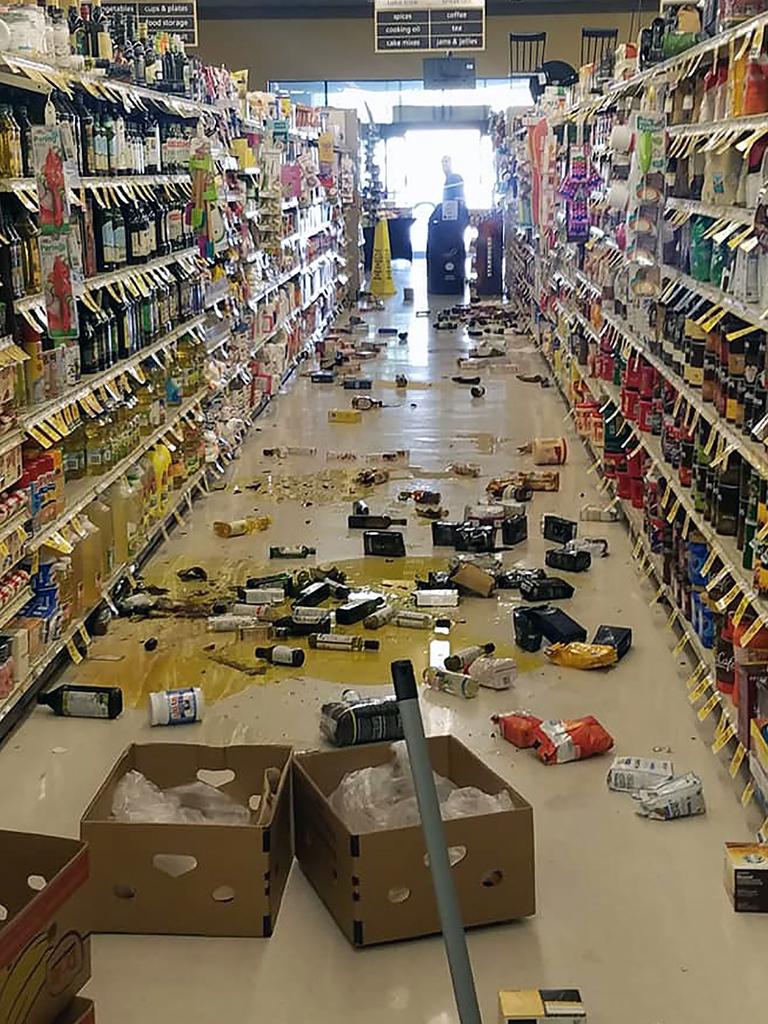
[84,701]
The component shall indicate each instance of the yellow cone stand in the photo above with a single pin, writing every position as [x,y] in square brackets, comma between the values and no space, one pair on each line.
[382,284]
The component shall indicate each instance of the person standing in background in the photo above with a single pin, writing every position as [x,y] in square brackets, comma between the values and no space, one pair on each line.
[453,186]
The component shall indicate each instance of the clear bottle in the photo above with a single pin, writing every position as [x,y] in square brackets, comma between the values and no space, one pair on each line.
[341,642]
[456,683]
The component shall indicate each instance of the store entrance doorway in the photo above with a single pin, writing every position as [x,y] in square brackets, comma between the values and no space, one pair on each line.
[415,175]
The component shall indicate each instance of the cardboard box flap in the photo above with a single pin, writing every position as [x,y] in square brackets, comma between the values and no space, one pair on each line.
[237,771]
[28,860]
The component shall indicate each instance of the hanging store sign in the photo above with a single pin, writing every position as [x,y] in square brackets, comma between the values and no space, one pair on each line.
[402,26]
[178,19]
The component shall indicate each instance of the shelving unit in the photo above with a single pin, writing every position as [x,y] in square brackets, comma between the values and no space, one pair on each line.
[619,324]
[255,308]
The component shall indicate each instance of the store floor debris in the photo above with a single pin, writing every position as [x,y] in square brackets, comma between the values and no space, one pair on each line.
[608,881]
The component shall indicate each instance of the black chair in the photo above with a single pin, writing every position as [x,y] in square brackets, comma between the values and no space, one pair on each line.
[526,52]
[597,44]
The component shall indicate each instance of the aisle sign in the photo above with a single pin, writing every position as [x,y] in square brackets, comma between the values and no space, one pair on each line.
[174,18]
[426,25]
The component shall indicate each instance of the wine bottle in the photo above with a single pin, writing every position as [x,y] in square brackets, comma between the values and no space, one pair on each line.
[280,655]
[101,41]
[369,522]
[84,701]
[301,551]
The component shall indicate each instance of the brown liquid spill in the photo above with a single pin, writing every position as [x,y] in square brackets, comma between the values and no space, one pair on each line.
[180,659]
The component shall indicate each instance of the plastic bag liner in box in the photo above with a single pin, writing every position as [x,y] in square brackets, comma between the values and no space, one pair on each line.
[138,800]
[382,797]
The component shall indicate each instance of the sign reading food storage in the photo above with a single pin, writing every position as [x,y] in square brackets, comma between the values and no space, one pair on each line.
[178,19]
[403,25]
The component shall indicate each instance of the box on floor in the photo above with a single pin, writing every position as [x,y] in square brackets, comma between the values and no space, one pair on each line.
[539,1005]
[237,873]
[377,885]
[44,947]
[746,876]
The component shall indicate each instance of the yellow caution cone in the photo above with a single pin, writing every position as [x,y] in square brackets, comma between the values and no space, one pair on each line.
[381,266]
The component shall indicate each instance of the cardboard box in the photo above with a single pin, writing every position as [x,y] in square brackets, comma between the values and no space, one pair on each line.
[44,948]
[377,885]
[539,1005]
[79,1011]
[746,876]
[238,872]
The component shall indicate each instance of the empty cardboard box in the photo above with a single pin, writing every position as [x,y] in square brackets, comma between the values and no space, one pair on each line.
[377,885]
[236,873]
[45,954]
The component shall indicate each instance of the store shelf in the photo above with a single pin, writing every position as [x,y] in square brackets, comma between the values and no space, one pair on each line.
[12,609]
[128,273]
[80,493]
[634,520]
[753,451]
[748,312]
[730,214]
[40,413]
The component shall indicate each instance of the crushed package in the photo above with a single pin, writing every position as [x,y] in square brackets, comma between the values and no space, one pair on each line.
[630,774]
[540,1005]
[556,741]
[383,797]
[680,797]
[536,480]
[746,876]
[581,655]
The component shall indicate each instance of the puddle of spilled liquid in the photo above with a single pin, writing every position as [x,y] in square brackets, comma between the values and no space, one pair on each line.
[180,659]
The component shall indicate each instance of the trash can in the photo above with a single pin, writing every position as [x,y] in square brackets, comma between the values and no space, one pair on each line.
[446,252]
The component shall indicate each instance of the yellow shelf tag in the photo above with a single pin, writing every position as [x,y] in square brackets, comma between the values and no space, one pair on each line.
[656,596]
[718,578]
[681,645]
[709,562]
[84,635]
[73,652]
[706,709]
[738,615]
[747,793]
[738,756]
[751,632]
[723,738]
[673,511]
[699,690]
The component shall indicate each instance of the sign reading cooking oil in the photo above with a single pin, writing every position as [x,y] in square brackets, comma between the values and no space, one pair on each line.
[405,25]
[381,265]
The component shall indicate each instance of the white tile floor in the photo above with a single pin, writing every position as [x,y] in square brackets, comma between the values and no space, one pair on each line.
[633,912]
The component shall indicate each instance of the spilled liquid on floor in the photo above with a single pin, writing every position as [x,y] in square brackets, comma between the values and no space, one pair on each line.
[184,655]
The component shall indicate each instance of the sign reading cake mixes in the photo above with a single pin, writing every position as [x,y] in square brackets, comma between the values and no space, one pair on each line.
[447,25]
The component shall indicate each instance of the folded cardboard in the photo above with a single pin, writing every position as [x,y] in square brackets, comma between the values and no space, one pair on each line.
[377,885]
[45,954]
[540,1005]
[79,1011]
[746,876]
[236,873]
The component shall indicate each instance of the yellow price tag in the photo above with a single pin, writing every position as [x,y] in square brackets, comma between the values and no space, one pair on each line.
[723,738]
[656,596]
[747,793]
[178,517]
[738,615]
[751,632]
[711,584]
[84,635]
[673,511]
[699,690]
[672,619]
[73,652]
[595,466]
[638,545]
[729,598]
[681,645]
[738,756]
[686,526]
[709,562]
[706,709]
[710,441]
[695,675]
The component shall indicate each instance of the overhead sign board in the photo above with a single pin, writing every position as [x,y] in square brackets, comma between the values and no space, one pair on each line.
[178,19]
[402,26]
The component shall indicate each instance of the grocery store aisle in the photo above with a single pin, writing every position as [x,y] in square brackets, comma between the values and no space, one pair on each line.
[631,911]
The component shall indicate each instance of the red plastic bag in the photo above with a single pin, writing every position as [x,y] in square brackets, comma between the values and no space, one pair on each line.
[518,727]
[563,741]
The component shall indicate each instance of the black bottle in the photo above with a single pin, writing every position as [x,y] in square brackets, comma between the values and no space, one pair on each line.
[84,701]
